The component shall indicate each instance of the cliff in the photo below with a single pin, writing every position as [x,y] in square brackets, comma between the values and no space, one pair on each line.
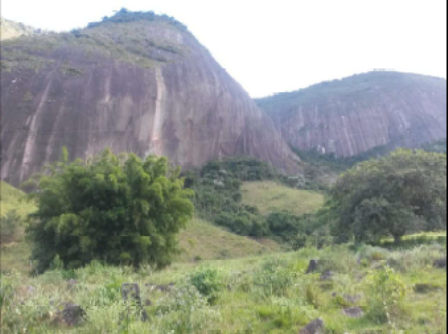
[354,115]
[136,82]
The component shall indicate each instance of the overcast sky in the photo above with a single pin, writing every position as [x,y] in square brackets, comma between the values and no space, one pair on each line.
[272,46]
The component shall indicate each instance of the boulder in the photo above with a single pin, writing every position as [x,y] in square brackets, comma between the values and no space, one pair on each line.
[71,315]
[316,326]
[353,312]
[312,266]
[440,263]
[426,288]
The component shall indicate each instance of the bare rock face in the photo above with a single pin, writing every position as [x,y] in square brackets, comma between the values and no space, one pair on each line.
[136,82]
[352,116]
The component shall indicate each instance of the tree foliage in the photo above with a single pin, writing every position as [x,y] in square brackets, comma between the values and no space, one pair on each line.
[125,16]
[391,196]
[120,210]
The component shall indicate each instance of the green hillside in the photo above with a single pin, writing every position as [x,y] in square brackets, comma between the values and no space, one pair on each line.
[13,199]
[269,196]
[199,241]
[204,241]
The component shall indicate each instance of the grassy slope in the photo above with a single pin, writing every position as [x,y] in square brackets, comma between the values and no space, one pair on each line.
[199,239]
[269,195]
[204,240]
[12,198]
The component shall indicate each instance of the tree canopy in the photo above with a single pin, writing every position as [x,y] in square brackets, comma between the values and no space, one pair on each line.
[119,210]
[391,196]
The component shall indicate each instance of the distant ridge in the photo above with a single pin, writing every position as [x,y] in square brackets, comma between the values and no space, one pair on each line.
[354,115]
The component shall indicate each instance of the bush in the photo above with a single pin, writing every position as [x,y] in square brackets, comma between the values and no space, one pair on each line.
[275,278]
[118,210]
[184,310]
[385,295]
[208,282]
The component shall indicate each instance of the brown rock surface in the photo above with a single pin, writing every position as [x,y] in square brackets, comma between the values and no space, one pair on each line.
[352,116]
[145,86]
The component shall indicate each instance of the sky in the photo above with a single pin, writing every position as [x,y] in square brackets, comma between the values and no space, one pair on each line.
[272,46]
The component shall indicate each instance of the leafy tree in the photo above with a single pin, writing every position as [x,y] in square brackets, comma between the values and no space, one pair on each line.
[120,210]
[391,196]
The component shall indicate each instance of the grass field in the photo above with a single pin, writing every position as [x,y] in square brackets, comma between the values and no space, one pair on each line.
[202,240]
[263,294]
[269,195]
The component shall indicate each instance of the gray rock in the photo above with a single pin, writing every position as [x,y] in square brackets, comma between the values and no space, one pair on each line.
[141,107]
[353,312]
[314,327]
[72,314]
[440,263]
[312,266]
[426,288]
[131,294]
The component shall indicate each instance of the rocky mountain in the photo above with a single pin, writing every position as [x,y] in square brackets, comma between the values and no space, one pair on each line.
[10,29]
[136,82]
[368,111]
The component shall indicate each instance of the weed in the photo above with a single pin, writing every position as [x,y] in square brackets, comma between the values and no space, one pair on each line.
[385,294]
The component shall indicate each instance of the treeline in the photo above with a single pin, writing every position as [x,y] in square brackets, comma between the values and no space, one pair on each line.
[124,15]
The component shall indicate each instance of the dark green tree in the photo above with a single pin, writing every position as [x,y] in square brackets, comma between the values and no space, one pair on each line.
[119,210]
[403,192]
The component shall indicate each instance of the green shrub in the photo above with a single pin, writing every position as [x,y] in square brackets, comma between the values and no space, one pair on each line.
[208,282]
[119,210]
[275,278]
[184,310]
[368,254]
[385,293]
